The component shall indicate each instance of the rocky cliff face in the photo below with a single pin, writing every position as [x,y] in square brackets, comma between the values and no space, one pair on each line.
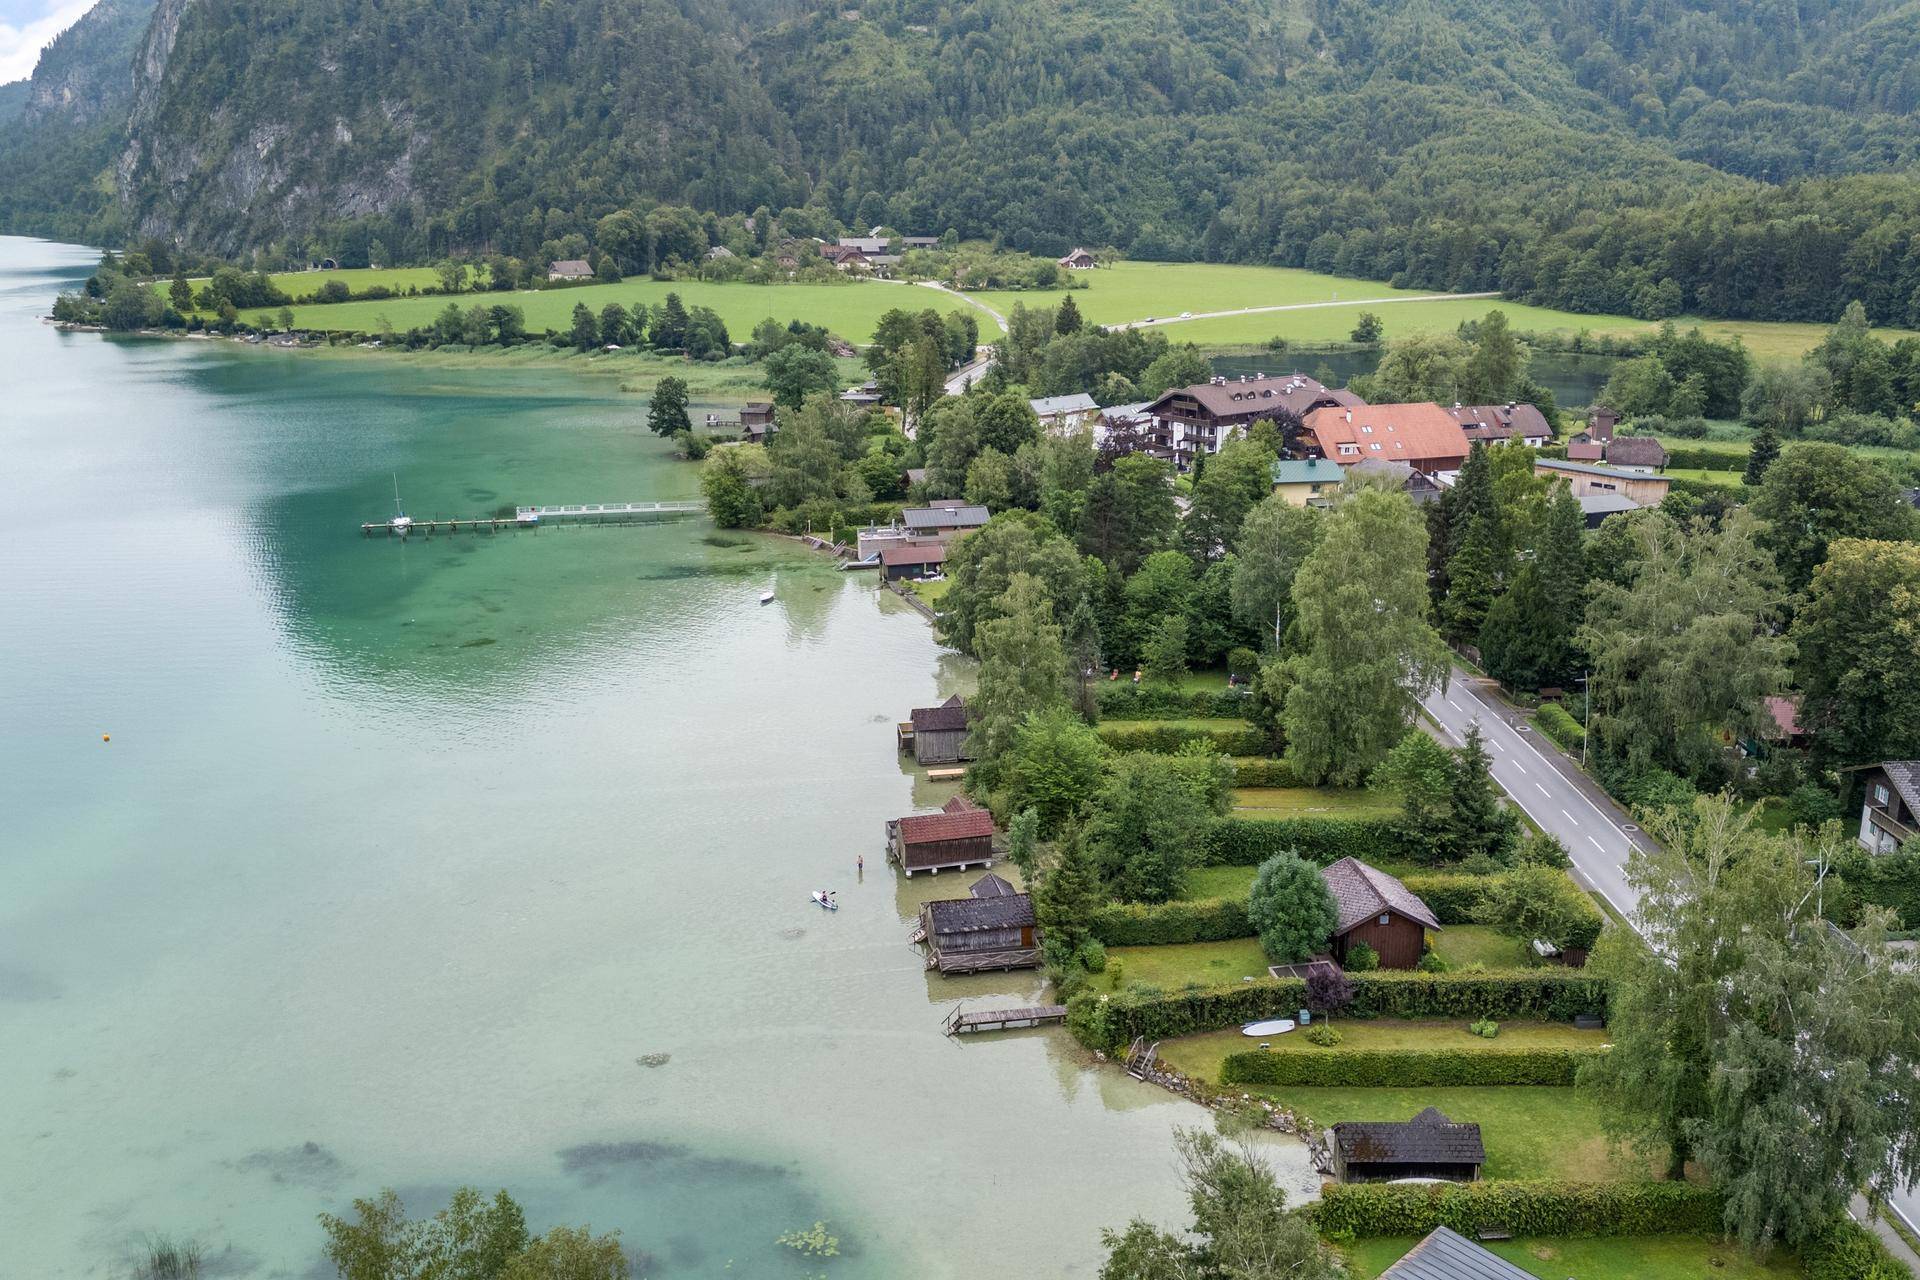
[86,74]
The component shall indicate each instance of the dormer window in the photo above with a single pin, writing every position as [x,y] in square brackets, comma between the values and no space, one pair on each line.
[1366,431]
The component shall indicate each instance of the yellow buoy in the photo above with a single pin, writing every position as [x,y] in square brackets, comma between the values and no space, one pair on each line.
[106,737]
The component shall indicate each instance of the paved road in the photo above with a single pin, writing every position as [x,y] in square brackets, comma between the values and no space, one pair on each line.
[1554,794]
[1564,802]
[1296,306]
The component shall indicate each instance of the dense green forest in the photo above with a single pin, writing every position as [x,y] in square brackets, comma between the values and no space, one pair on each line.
[1651,157]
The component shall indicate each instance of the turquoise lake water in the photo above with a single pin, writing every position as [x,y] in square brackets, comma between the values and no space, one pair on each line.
[401,857]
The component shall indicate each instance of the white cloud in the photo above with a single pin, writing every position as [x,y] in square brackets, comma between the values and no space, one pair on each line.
[22,37]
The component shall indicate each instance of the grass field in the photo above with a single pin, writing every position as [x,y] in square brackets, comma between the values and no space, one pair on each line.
[1464,944]
[1725,479]
[1313,802]
[1135,290]
[1201,1056]
[850,310]
[1530,1132]
[1126,291]
[1179,965]
[1616,1258]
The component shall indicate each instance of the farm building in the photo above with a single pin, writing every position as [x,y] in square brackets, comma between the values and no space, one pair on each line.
[1427,1146]
[1378,910]
[1445,1254]
[991,928]
[1590,481]
[1078,260]
[938,735]
[912,561]
[569,269]
[957,837]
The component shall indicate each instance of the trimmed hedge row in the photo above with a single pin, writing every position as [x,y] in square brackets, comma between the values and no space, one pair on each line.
[1849,1251]
[1157,702]
[1248,842]
[1525,1208]
[1538,995]
[1169,739]
[1263,771]
[1696,458]
[1558,723]
[1144,924]
[1396,1068]
[1456,899]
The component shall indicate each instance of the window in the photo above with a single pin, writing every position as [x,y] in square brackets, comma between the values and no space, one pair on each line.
[1386,919]
[1366,430]
[1375,447]
[1879,793]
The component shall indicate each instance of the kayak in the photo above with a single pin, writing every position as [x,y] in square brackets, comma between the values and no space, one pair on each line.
[824,900]
[1272,1027]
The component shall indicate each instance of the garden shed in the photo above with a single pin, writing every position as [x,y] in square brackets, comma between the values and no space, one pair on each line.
[1375,908]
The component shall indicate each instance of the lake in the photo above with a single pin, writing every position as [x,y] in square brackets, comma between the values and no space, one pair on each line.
[405,859]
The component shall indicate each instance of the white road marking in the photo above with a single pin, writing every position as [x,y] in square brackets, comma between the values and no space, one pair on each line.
[1543,790]
[1596,844]
[1569,817]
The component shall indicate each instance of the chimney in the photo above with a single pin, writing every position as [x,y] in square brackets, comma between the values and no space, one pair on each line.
[1349,415]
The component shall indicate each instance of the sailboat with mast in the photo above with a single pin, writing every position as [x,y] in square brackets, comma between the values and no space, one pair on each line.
[401,521]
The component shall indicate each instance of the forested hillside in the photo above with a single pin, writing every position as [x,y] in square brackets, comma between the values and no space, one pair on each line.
[1651,157]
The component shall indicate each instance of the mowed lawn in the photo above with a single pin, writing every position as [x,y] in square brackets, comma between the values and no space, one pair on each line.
[1201,1056]
[1128,291]
[850,310]
[1313,802]
[1464,944]
[1183,964]
[1618,1258]
[1530,1131]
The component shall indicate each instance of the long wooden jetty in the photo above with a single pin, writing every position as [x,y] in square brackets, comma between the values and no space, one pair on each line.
[959,1023]
[534,517]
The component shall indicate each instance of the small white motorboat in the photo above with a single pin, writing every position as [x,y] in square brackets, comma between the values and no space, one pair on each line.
[822,898]
[1271,1027]
[766,598]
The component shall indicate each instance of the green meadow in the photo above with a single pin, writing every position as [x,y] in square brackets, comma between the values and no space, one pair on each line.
[1119,294]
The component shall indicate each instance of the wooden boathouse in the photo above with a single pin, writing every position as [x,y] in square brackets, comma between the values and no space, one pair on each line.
[1427,1146]
[936,735]
[957,837]
[991,928]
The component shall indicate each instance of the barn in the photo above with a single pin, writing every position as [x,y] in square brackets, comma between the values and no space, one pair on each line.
[959,836]
[1378,910]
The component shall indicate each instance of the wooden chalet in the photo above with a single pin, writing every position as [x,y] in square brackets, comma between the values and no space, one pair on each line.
[1889,804]
[1497,423]
[937,735]
[1378,910]
[569,269]
[1199,419]
[756,421]
[1445,1254]
[1427,1146]
[991,928]
[1078,260]
[957,837]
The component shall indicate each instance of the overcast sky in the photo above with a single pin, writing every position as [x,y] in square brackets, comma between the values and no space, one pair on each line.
[25,28]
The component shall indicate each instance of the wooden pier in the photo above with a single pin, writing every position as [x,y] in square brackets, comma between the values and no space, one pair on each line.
[535,517]
[959,1024]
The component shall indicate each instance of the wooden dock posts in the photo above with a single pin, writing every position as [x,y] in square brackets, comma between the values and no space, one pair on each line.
[959,1023]
[534,517]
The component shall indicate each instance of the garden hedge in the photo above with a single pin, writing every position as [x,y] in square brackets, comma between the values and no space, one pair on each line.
[1405,1068]
[1264,771]
[1248,842]
[1524,1208]
[1169,739]
[1557,723]
[1540,995]
[1699,458]
[1158,702]
[1142,924]
[1849,1251]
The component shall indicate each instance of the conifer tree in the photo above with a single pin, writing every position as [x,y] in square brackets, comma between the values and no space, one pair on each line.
[586,330]
[1474,572]
[1522,642]
[1479,823]
[1766,447]
[1066,898]
[1067,318]
[180,293]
